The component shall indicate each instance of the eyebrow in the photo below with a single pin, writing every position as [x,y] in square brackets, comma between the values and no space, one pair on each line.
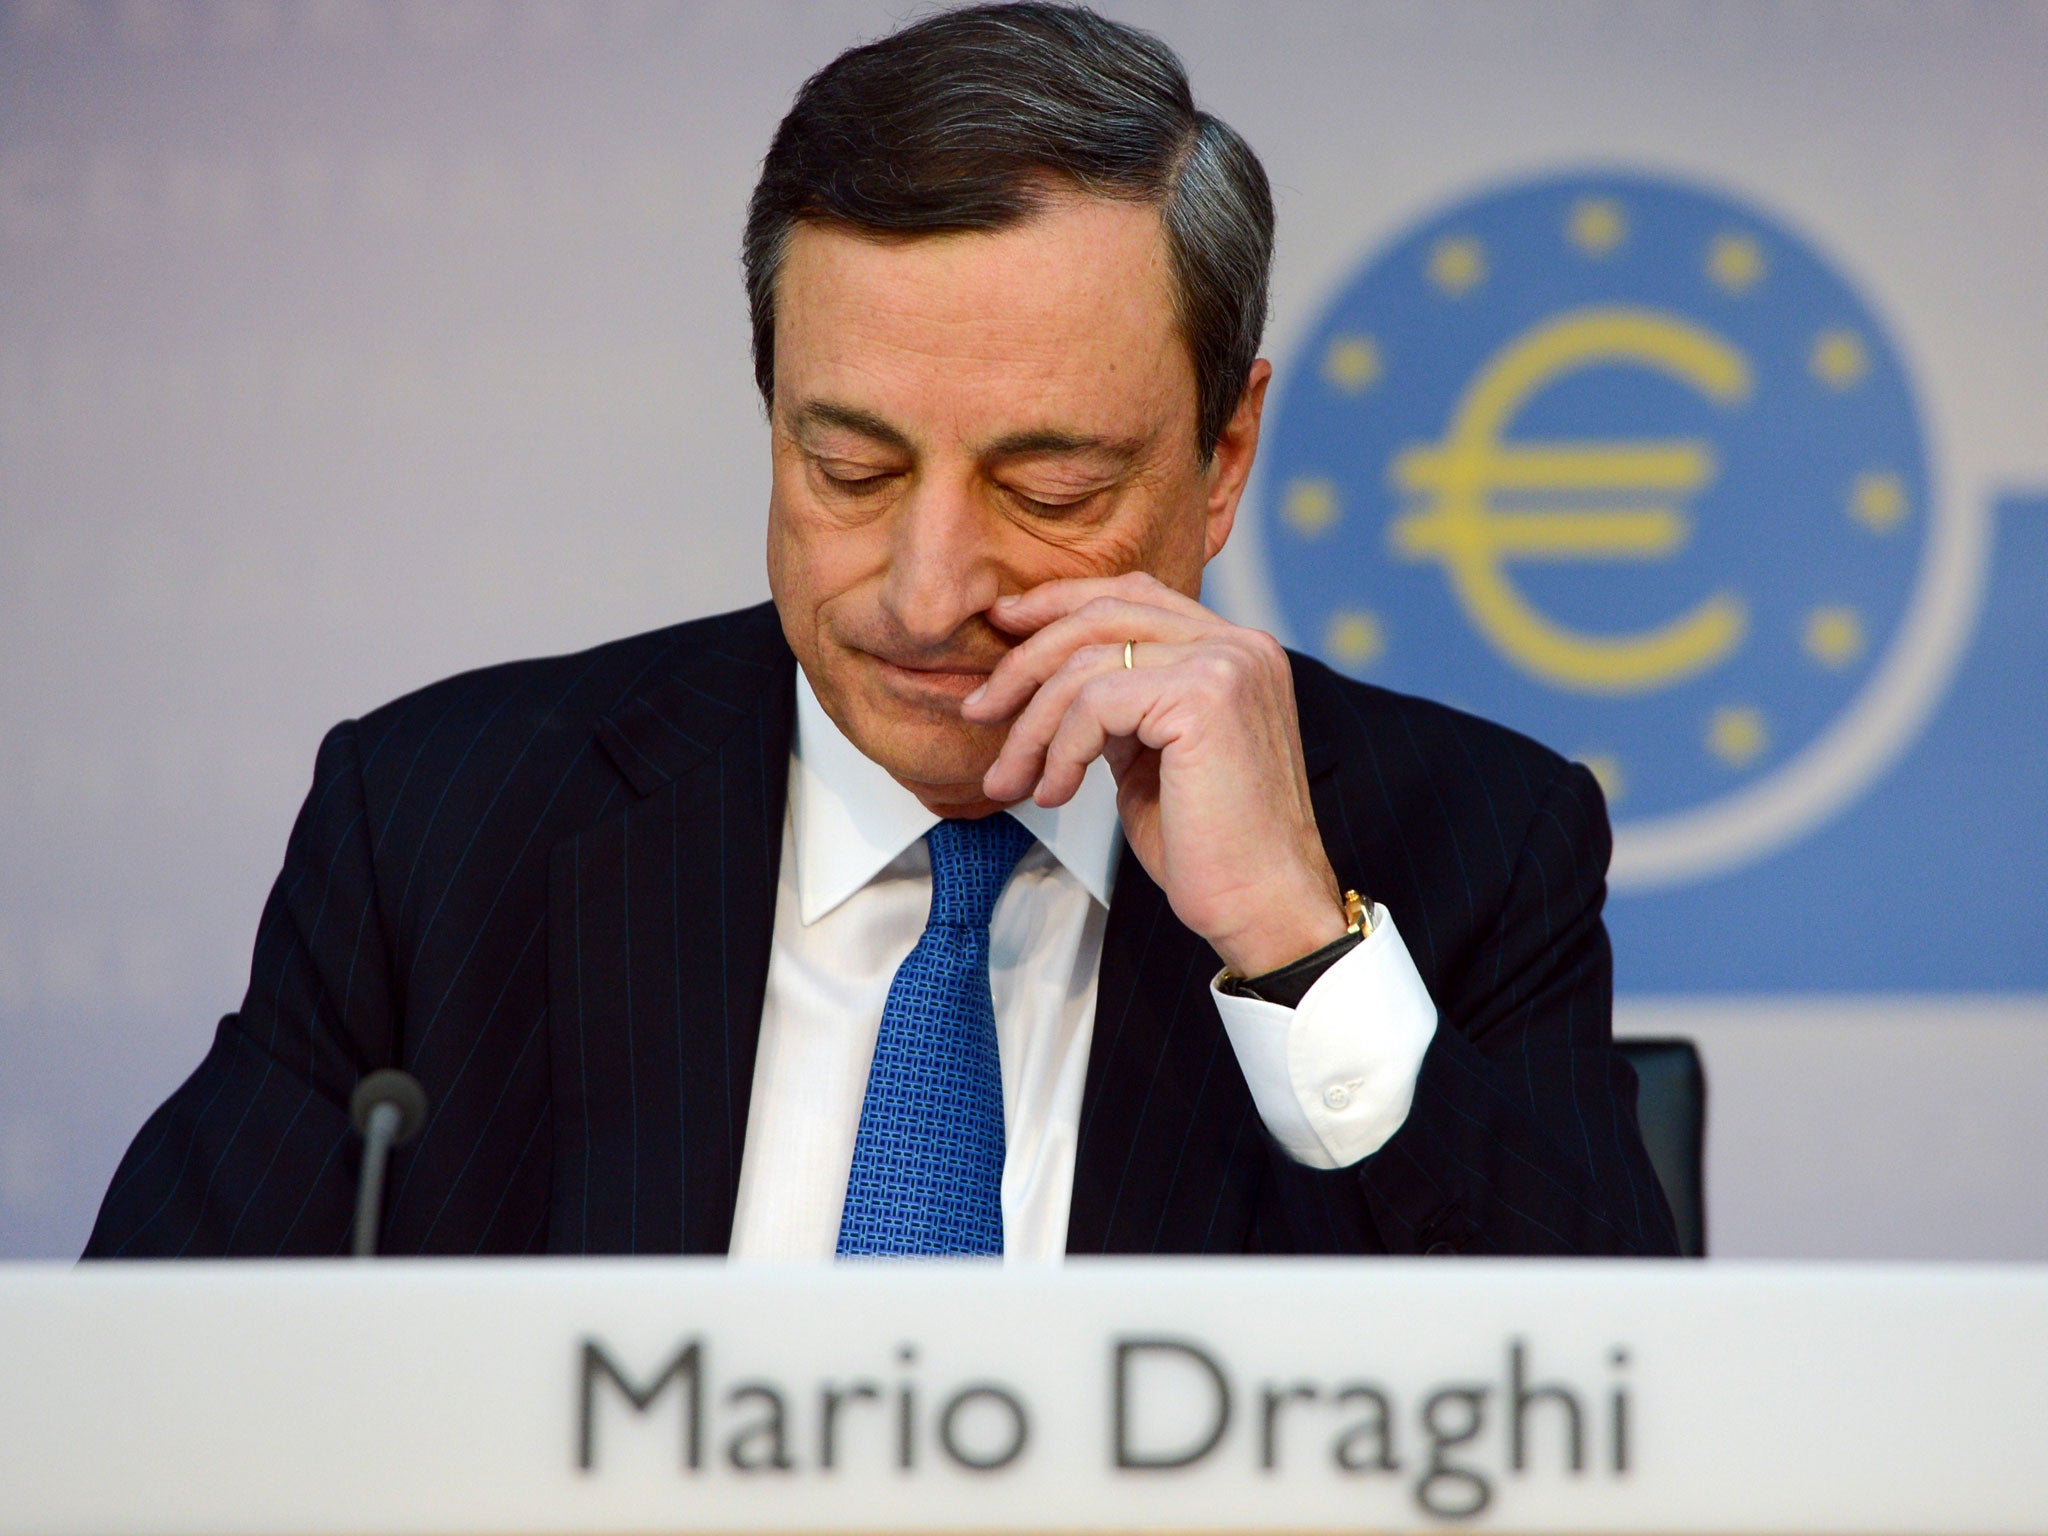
[1051,440]
[1015,445]
[824,413]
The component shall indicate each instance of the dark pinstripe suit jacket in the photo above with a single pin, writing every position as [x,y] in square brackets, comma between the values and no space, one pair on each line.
[547,889]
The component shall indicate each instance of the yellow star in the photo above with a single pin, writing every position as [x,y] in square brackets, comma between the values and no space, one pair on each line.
[1352,364]
[1310,507]
[1606,770]
[1834,636]
[1735,263]
[1878,501]
[1457,265]
[1736,735]
[1839,360]
[1355,637]
[1597,225]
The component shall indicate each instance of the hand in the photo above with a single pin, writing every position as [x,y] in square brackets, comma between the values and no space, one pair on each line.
[1202,736]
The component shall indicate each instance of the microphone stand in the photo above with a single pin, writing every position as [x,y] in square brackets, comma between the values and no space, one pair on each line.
[388,1107]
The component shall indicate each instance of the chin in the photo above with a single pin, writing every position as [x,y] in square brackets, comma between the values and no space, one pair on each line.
[936,756]
[926,748]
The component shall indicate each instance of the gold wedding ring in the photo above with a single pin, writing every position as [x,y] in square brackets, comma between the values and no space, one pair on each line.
[1130,646]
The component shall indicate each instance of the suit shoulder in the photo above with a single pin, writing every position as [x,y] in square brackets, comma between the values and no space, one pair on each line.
[1354,708]
[1429,760]
[463,787]
[541,704]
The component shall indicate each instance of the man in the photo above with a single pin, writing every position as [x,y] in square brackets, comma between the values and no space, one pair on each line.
[986,892]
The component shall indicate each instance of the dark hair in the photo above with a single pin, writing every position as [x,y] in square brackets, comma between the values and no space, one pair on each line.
[968,119]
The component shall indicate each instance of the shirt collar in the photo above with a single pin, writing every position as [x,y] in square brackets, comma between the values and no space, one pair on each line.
[851,819]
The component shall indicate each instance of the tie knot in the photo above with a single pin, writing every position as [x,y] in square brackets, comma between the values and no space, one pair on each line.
[971,863]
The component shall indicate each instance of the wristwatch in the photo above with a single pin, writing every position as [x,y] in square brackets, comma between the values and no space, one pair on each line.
[1288,985]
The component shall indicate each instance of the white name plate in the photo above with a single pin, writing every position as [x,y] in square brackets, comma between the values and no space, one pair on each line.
[686,1395]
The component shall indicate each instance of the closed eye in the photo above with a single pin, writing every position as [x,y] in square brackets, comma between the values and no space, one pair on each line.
[852,479]
[1056,505]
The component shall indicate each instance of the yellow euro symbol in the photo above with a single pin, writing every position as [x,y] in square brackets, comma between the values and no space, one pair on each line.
[1466,476]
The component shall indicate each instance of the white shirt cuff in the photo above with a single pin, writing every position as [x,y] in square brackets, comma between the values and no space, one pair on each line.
[1334,1078]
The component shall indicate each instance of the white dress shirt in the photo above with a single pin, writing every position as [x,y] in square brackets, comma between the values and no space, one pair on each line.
[1332,1079]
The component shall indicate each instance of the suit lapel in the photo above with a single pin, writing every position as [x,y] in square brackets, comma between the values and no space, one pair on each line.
[1170,1148]
[659,926]
[1172,1152]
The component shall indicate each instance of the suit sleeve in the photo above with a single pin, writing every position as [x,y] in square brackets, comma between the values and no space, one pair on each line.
[254,1153]
[1522,1136]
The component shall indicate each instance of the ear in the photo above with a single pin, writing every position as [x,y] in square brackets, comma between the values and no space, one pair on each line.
[1230,467]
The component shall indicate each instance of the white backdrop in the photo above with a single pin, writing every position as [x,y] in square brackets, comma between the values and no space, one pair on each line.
[348,343]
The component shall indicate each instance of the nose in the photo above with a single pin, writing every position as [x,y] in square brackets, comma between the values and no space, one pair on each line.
[942,567]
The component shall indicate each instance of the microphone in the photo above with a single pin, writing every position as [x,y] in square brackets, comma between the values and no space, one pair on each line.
[388,1107]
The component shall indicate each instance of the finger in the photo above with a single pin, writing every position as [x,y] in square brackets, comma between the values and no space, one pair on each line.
[1022,612]
[1020,763]
[1109,710]
[1103,620]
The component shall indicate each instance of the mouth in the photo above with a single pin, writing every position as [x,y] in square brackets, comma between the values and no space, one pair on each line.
[950,680]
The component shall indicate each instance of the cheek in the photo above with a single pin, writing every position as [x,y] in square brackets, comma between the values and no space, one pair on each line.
[785,556]
[813,560]
[1169,542]
[798,579]
[1166,543]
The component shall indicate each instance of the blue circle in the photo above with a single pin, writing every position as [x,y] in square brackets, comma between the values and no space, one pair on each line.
[1805,506]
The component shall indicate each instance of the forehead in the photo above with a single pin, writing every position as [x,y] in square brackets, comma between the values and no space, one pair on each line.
[1065,320]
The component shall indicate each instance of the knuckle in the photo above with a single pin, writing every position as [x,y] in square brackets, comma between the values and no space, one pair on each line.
[1098,692]
[1266,648]
[1085,661]
[1041,663]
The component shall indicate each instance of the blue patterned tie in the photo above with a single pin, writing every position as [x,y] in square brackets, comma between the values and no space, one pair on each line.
[927,1171]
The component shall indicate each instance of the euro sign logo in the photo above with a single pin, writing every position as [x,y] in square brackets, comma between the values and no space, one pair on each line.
[1626,463]
[1485,501]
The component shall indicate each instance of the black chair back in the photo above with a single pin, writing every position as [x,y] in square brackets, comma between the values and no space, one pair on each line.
[1671,1107]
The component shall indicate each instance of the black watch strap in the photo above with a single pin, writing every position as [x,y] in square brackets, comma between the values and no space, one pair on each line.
[1289,985]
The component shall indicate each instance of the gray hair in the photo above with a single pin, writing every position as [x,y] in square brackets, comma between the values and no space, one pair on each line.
[971,119]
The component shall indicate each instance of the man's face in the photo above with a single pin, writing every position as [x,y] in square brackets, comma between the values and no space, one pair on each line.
[962,416]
